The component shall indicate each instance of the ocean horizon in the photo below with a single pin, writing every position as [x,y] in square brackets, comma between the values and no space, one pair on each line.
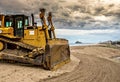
[88,37]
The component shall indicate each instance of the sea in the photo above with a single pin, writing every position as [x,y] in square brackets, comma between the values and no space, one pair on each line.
[88,37]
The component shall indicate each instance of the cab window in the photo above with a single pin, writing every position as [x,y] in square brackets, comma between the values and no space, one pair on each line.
[0,23]
[0,20]
[8,24]
[8,21]
[26,22]
[19,24]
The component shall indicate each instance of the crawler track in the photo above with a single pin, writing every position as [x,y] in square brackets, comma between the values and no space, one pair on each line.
[17,43]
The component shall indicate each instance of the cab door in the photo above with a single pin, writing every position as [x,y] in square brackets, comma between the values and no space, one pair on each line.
[19,27]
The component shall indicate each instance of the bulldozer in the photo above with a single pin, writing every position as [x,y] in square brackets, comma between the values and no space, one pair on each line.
[32,44]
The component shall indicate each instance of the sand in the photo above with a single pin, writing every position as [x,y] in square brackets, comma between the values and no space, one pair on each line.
[88,64]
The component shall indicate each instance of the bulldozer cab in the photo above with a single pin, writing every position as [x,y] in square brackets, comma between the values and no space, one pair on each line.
[18,22]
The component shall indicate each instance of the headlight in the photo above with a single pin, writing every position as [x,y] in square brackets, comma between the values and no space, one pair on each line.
[0,31]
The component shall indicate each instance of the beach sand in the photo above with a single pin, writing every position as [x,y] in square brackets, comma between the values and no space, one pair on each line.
[94,63]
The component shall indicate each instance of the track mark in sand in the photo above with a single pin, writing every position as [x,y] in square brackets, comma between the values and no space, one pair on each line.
[96,65]
[91,69]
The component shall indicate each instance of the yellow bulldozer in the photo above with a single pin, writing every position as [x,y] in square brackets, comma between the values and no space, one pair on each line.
[32,44]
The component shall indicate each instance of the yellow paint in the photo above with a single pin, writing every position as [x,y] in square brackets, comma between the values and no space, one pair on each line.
[2,20]
[35,37]
[60,64]
[57,41]
[6,31]
[3,29]
[1,45]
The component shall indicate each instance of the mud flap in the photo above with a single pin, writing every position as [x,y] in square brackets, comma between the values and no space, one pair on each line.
[56,55]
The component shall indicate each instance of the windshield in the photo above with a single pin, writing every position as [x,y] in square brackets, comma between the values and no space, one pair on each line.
[0,23]
[26,22]
[19,24]
[8,21]
[0,20]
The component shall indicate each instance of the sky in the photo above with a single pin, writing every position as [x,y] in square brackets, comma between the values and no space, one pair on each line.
[70,14]
[89,36]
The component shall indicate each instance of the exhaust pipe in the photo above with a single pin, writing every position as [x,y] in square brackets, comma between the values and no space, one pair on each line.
[32,19]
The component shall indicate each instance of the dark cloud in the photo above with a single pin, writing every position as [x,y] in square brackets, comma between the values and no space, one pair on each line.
[99,10]
[68,14]
[65,14]
[45,4]
[62,1]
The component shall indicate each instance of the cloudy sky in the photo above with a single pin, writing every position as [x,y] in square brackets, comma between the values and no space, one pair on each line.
[71,14]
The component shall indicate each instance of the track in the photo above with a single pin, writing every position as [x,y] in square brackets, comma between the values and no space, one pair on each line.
[95,66]
[17,43]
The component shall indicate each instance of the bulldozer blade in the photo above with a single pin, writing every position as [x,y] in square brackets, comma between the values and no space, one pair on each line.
[57,55]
